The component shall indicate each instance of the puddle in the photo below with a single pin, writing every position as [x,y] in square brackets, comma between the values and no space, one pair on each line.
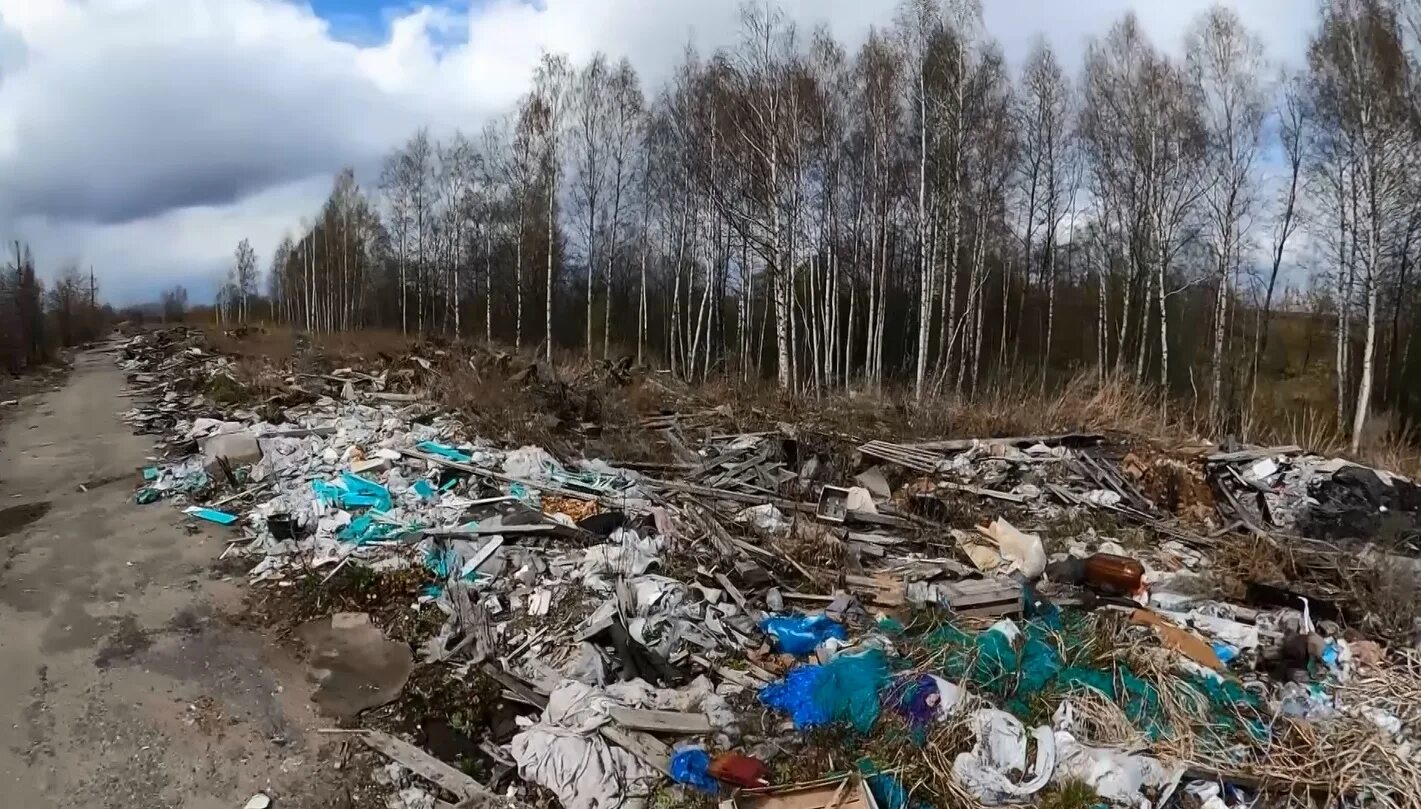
[14,518]
[356,665]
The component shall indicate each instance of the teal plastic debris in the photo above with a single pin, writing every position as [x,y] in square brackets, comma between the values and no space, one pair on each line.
[843,690]
[800,635]
[424,489]
[327,493]
[1004,660]
[213,515]
[195,482]
[150,473]
[888,791]
[366,528]
[1046,655]
[353,491]
[444,451]
[147,495]
[365,492]
[891,626]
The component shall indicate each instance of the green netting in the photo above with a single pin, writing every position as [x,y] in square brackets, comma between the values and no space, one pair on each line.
[1049,658]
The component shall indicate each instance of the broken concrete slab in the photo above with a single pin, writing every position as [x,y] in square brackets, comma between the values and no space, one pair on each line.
[237,447]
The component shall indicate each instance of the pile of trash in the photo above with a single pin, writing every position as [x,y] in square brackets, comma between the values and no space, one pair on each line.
[988,621]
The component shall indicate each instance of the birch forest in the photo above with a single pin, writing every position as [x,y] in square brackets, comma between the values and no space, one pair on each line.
[916,213]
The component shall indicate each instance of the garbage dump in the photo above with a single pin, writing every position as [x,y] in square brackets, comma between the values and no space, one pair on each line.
[783,619]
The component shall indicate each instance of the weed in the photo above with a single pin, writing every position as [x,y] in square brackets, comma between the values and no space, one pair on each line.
[1072,793]
[223,389]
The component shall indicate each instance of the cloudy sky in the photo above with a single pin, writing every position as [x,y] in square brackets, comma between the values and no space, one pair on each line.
[146,137]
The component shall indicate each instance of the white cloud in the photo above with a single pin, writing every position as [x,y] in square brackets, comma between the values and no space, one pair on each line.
[148,136]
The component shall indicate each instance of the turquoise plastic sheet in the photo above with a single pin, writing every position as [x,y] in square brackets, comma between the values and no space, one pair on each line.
[444,451]
[353,491]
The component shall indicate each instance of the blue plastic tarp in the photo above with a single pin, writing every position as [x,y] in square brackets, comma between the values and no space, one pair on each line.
[800,635]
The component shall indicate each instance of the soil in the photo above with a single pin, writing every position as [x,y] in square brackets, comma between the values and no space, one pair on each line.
[123,683]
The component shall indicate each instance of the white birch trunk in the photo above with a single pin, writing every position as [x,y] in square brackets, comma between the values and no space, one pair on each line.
[548,294]
[924,282]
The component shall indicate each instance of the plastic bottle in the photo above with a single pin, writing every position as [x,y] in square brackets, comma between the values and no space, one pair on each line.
[1113,575]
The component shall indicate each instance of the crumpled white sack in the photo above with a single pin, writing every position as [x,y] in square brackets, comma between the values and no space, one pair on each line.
[1116,776]
[1000,749]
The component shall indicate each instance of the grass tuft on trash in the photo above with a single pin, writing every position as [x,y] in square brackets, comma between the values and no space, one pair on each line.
[1072,793]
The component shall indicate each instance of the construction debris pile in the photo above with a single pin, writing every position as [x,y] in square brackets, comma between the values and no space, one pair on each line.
[786,620]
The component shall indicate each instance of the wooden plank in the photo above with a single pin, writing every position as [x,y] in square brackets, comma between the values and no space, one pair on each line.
[960,444]
[676,722]
[683,453]
[874,539]
[736,497]
[869,549]
[895,453]
[516,685]
[870,518]
[978,592]
[793,596]
[424,765]
[981,492]
[719,537]
[1253,454]
[492,475]
[732,590]
[752,549]
[643,746]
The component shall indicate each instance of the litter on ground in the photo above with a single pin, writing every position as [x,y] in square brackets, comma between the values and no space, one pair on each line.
[791,619]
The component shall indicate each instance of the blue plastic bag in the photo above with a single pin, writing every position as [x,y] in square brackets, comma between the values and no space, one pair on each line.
[691,765]
[799,635]
[843,690]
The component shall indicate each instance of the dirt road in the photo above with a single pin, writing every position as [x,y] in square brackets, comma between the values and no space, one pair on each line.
[120,684]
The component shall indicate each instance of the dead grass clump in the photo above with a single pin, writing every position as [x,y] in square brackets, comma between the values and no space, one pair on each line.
[224,389]
[354,588]
[496,408]
[1086,402]
[1249,559]
[1396,450]
[1389,596]
[812,544]
[1073,793]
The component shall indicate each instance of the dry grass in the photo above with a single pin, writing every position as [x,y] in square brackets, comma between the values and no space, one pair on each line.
[279,343]
[1019,406]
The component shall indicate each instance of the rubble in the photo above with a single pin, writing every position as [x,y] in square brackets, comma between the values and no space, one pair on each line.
[689,624]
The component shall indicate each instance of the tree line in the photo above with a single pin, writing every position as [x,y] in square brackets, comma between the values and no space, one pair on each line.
[915,212]
[35,321]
